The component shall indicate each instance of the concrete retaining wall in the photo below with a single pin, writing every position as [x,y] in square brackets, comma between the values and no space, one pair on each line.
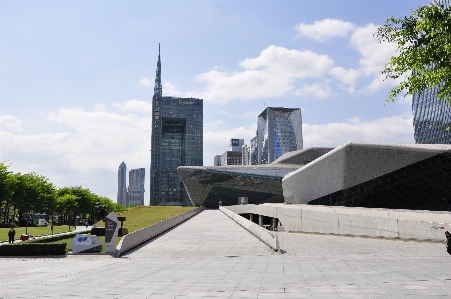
[403,224]
[267,237]
[138,237]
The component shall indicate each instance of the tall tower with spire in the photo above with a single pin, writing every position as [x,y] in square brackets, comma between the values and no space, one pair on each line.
[158,90]
[177,140]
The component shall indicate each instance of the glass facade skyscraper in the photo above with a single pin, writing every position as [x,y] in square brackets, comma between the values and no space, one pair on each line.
[122,184]
[279,131]
[431,117]
[177,140]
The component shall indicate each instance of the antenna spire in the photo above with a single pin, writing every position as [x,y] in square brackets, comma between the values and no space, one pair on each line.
[157,91]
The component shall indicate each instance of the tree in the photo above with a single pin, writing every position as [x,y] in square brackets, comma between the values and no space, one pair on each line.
[7,183]
[424,47]
[33,192]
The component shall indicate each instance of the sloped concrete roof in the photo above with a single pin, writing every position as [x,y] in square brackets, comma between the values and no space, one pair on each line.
[351,164]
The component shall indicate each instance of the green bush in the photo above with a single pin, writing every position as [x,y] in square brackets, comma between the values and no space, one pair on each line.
[54,238]
[33,248]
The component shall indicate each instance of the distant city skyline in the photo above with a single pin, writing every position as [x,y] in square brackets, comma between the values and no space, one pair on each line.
[78,78]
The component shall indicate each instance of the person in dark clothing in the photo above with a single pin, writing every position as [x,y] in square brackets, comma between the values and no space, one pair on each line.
[448,242]
[11,235]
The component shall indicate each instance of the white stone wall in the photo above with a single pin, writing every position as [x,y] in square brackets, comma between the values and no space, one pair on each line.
[351,164]
[403,224]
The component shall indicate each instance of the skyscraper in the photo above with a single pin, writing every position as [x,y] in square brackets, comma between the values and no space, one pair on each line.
[135,194]
[279,131]
[121,185]
[431,117]
[177,140]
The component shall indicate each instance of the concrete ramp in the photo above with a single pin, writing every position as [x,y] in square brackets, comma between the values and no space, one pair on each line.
[210,233]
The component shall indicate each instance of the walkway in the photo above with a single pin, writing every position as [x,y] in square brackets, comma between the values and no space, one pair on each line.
[210,256]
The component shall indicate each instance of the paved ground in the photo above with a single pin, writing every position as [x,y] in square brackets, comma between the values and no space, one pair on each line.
[210,256]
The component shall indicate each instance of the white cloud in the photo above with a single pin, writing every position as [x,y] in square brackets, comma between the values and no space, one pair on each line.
[272,74]
[324,29]
[346,76]
[146,82]
[11,123]
[374,56]
[134,106]
[88,148]
[317,90]
[170,90]
[394,129]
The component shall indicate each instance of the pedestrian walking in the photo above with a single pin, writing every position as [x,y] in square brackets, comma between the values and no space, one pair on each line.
[220,203]
[448,242]
[11,235]
[86,223]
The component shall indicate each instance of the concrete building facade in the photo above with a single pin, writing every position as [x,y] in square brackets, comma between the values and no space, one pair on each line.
[135,193]
[208,185]
[217,160]
[391,176]
[231,158]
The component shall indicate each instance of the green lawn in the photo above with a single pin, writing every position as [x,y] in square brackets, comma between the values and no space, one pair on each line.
[141,217]
[34,231]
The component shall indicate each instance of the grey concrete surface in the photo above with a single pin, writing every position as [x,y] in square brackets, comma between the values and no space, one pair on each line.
[261,233]
[138,237]
[355,221]
[210,256]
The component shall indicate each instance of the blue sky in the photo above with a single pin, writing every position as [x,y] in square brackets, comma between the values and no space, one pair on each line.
[77,77]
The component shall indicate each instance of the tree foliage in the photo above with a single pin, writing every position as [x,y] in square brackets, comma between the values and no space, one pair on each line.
[23,193]
[424,51]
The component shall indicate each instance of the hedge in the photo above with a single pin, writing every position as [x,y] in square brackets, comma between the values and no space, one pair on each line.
[33,248]
[54,238]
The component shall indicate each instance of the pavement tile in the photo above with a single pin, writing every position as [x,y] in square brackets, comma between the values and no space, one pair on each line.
[210,256]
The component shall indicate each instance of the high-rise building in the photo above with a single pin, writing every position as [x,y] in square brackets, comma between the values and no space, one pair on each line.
[236,144]
[135,194]
[177,140]
[431,117]
[231,158]
[121,184]
[217,161]
[250,152]
[279,131]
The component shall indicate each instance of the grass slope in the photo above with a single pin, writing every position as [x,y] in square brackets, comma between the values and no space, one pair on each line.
[140,217]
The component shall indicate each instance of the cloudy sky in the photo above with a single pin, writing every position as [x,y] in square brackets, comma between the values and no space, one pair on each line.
[77,77]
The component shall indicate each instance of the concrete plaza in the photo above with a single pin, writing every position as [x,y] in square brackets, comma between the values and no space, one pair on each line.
[210,256]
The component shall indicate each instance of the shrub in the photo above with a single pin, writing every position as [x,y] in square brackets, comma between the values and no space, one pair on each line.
[33,248]
[54,238]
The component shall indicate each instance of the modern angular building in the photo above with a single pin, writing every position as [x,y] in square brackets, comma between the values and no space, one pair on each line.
[122,184]
[208,185]
[392,176]
[177,140]
[135,194]
[279,131]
